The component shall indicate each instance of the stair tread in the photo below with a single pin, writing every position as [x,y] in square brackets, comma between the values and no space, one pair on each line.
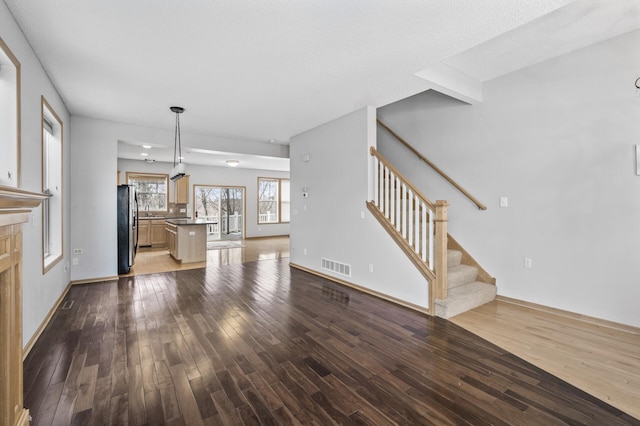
[464,298]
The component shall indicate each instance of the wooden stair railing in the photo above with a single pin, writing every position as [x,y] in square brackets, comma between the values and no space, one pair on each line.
[416,224]
[433,166]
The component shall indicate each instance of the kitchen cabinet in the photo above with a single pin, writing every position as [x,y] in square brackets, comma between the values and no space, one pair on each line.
[157,233]
[151,233]
[187,240]
[144,234]
[171,235]
[181,191]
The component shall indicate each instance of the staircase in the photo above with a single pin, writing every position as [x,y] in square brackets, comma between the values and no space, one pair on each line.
[464,291]
[457,283]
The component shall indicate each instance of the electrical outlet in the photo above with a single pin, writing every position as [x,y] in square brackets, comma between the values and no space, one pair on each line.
[361,214]
[371,267]
[75,261]
[528,262]
[304,251]
[77,251]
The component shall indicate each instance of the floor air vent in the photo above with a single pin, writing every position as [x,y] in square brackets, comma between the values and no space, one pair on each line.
[340,268]
[67,305]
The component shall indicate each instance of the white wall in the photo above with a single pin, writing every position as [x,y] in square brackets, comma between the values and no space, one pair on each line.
[336,177]
[40,292]
[94,168]
[558,139]
[220,176]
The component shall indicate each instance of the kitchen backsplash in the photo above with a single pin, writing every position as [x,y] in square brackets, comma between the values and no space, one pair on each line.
[175,210]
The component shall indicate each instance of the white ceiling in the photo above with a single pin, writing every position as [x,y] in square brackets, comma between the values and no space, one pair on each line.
[269,69]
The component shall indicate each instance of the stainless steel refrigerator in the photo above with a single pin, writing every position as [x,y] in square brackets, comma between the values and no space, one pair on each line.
[127,227]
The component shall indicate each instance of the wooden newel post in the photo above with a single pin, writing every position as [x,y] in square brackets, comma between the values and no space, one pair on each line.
[440,285]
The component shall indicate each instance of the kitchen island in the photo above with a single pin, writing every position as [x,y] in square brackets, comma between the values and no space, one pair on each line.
[187,239]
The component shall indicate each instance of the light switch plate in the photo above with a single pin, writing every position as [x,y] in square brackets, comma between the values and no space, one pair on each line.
[504,202]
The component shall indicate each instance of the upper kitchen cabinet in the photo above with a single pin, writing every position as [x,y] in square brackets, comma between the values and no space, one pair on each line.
[181,191]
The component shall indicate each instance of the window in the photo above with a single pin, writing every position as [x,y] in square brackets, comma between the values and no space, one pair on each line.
[9,117]
[151,190]
[52,133]
[274,200]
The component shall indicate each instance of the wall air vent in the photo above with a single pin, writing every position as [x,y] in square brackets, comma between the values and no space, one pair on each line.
[337,267]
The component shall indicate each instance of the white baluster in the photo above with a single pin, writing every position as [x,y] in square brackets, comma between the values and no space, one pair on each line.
[386,192]
[376,184]
[381,186]
[417,227]
[404,211]
[398,204]
[410,218]
[431,238]
[424,232]
[392,197]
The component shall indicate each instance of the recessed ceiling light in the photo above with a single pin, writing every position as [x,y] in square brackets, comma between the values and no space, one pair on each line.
[233,163]
[272,141]
[146,146]
[144,154]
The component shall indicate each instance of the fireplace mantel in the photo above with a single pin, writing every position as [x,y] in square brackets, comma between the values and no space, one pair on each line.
[15,207]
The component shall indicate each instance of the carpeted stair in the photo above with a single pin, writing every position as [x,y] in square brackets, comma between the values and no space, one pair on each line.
[464,292]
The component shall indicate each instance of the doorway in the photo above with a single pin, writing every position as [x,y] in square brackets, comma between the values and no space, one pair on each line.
[223,205]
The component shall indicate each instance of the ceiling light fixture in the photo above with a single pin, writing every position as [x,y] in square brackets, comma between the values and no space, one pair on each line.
[144,154]
[146,146]
[233,163]
[178,170]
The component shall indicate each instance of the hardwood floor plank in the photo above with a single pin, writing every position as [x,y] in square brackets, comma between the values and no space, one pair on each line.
[170,404]
[135,396]
[225,408]
[203,398]
[47,409]
[260,343]
[86,388]
[101,406]
[186,400]
[119,410]
[154,409]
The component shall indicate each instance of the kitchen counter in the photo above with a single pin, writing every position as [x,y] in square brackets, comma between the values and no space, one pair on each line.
[188,221]
[187,239]
[160,218]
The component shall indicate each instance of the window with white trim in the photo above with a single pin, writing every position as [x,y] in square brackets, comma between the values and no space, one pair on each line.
[52,137]
[274,200]
[151,190]
[9,117]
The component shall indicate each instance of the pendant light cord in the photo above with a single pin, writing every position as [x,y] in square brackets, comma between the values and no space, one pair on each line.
[177,143]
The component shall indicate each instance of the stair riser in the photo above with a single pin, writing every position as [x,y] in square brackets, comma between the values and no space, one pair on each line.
[454,258]
[461,275]
[465,298]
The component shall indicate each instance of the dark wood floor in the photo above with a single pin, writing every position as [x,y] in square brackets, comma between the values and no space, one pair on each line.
[260,343]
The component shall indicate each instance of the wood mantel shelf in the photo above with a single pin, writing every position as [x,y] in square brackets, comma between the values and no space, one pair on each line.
[13,199]
[15,207]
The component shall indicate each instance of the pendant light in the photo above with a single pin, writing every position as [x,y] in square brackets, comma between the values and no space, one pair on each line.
[178,170]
